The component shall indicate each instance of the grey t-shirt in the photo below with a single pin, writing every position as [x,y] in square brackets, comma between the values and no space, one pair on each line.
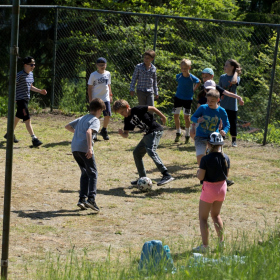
[81,125]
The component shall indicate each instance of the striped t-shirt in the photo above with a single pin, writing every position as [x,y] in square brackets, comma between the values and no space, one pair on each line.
[24,82]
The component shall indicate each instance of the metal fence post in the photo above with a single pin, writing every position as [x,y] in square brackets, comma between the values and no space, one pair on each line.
[54,57]
[271,86]
[10,139]
[155,34]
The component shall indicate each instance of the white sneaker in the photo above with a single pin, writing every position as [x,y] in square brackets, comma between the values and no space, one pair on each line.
[201,249]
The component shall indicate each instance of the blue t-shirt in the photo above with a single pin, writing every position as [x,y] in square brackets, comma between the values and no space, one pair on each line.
[81,125]
[227,102]
[185,86]
[212,120]
[24,82]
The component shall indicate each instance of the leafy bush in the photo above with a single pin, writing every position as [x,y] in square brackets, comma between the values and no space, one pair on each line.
[4,105]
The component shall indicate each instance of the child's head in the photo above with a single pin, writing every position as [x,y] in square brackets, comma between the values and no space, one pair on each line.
[28,64]
[209,84]
[97,104]
[207,74]
[231,66]
[215,142]
[121,107]
[212,98]
[101,64]
[149,56]
[185,65]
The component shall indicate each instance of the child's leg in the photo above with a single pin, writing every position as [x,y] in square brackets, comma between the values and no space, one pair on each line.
[16,122]
[200,148]
[142,99]
[177,122]
[151,143]
[192,131]
[150,99]
[204,209]
[106,121]
[29,127]
[215,214]
[138,154]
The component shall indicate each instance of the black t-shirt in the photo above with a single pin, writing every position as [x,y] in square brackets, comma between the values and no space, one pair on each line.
[141,118]
[219,89]
[215,166]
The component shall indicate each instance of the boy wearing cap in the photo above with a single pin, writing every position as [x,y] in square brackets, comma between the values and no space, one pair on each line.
[187,84]
[99,86]
[145,76]
[24,84]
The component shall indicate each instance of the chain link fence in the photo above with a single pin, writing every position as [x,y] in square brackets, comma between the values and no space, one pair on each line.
[67,41]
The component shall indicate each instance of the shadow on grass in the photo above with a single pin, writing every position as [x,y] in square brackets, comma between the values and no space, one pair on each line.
[62,143]
[41,215]
[121,192]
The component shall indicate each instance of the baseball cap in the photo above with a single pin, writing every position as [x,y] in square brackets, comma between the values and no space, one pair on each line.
[101,60]
[208,71]
[210,84]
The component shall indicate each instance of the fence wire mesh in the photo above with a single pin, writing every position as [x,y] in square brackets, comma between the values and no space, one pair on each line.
[66,43]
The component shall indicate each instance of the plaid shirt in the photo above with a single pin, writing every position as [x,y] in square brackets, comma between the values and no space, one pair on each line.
[146,79]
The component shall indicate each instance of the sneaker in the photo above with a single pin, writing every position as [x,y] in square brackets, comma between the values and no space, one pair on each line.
[134,183]
[233,144]
[15,139]
[187,139]
[82,203]
[200,249]
[165,180]
[36,142]
[104,133]
[178,136]
[90,203]
[230,183]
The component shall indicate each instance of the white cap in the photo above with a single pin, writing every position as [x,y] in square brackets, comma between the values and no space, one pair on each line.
[210,84]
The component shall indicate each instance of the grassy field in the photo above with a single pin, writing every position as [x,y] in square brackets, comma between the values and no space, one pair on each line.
[46,221]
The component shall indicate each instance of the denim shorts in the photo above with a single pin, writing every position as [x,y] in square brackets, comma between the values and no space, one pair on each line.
[107,111]
[200,145]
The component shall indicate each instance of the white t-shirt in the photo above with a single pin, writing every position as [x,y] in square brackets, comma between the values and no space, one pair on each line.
[100,83]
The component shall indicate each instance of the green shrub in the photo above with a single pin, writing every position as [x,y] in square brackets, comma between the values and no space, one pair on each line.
[4,106]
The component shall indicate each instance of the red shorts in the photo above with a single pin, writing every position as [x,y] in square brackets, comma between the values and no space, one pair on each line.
[213,191]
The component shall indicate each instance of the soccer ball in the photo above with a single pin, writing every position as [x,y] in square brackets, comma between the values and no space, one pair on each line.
[144,184]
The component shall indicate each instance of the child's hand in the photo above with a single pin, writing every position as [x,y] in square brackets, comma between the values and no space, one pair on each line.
[163,120]
[131,93]
[43,91]
[89,153]
[156,96]
[120,131]
[222,133]
[241,102]
[200,120]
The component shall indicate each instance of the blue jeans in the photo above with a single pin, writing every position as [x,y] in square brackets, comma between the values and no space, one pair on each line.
[88,180]
[148,144]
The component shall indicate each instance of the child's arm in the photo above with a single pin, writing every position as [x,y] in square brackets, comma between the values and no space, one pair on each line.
[70,128]
[158,112]
[196,86]
[230,94]
[197,116]
[155,86]
[42,91]
[200,174]
[234,77]
[89,93]
[89,143]
[226,124]
[123,133]
[110,93]
[133,81]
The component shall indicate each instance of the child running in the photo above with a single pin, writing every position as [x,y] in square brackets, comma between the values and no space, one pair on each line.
[213,170]
[142,117]
[82,148]
[187,85]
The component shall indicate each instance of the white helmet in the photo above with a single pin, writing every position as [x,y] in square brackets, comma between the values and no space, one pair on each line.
[216,139]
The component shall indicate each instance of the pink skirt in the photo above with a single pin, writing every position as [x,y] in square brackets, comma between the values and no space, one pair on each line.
[213,191]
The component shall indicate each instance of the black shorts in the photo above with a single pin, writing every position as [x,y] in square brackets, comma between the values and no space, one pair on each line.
[22,110]
[179,103]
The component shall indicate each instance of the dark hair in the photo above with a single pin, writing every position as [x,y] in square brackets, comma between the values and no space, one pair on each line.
[97,104]
[236,66]
[151,53]
[28,59]
[213,93]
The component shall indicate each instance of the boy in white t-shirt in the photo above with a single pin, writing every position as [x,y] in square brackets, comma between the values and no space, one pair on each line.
[99,86]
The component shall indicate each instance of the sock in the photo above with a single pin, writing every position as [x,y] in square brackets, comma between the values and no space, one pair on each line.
[179,130]
[104,128]
[165,173]
[33,136]
[187,131]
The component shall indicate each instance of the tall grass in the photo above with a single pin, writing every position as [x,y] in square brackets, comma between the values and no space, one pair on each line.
[240,260]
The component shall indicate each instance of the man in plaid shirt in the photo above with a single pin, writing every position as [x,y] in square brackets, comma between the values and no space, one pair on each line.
[146,78]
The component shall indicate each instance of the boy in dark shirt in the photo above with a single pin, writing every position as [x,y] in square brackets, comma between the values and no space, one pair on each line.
[142,117]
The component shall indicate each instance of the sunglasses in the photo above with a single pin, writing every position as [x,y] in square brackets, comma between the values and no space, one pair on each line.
[31,65]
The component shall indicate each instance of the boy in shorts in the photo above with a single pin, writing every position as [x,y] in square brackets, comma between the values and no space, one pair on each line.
[82,148]
[99,86]
[142,117]
[187,84]
[208,117]
[24,84]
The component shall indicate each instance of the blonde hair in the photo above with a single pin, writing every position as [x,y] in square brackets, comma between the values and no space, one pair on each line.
[119,104]
[151,53]
[213,93]
[186,62]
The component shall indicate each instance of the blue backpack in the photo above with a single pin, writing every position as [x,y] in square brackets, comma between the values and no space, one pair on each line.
[155,257]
